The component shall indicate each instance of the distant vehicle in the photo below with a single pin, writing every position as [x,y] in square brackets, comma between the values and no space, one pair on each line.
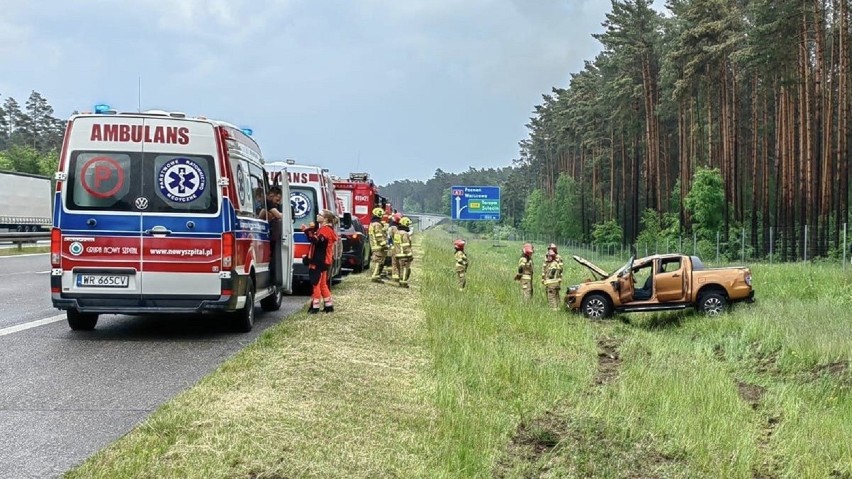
[25,201]
[311,191]
[356,245]
[668,281]
[359,195]
[160,213]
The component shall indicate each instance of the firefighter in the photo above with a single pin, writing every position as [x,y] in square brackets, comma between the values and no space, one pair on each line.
[525,271]
[551,278]
[402,242]
[322,238]
[386,225]
[461,263]
[379,244]
[394,251]
[552,247]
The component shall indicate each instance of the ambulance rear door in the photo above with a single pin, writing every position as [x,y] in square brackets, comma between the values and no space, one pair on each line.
[182,218]
[100,223]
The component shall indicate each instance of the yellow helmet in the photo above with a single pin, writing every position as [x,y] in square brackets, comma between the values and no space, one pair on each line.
[405,221]
[378,212]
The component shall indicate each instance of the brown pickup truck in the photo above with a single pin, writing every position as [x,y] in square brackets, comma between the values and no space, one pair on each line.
[658,283]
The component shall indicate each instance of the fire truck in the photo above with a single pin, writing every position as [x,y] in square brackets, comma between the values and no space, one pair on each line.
[359,195]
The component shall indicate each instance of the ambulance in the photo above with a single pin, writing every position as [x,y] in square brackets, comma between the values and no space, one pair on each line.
[159,213]
[311,191]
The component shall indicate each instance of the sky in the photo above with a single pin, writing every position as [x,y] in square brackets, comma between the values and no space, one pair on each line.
[395,88]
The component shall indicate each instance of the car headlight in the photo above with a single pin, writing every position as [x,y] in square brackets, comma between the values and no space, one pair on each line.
[573,289]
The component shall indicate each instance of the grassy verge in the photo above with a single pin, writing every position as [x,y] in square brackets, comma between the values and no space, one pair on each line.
[330,395]
[433,382]
[24,250]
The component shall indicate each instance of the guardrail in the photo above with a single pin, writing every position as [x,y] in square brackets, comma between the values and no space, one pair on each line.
[21,239]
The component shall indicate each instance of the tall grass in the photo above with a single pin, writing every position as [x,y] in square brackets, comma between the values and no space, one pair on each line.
[501,363]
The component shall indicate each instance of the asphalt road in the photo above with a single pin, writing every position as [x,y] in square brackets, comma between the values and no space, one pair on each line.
[64,395]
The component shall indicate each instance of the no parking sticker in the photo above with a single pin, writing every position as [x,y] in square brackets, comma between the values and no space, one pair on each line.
[102,177]
[182,180]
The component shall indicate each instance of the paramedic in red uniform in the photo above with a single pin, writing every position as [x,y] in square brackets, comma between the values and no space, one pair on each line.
[320,257]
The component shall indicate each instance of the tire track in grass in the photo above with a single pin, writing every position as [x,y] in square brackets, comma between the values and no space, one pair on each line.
[538,440]
[753,394]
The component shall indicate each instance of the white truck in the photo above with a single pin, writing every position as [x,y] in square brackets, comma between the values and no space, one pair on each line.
[25,201]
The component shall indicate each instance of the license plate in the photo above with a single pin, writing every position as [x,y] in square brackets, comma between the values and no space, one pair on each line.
[102,281]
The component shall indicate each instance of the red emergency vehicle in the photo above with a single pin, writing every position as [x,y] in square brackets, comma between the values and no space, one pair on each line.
[359,195]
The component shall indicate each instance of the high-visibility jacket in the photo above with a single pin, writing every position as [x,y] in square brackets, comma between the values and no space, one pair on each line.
[378,237]
[402,243]
[552,273]
[461,261]
[525,267]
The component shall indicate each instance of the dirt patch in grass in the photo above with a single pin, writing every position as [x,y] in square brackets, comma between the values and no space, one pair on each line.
[609,360]
[556,445]
[836,370]
[719,352]
[768,468]
[750,393]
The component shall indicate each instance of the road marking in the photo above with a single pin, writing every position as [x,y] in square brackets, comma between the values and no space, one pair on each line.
[23,255]
[31,324]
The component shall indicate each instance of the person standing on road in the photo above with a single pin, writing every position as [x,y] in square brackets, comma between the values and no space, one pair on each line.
[320,257]
[525,271]
[379,243]
[402,241]
[461,263]
[551,278]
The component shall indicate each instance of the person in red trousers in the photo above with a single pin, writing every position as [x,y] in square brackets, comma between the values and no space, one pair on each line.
[322,238]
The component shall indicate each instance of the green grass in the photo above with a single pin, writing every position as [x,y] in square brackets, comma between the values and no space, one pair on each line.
[434,382]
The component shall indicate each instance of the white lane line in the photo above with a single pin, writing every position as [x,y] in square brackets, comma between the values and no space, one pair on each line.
[22,255]
[31,324]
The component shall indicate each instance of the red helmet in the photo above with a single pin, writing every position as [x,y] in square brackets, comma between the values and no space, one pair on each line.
[528,249]
[459,244]
[552,246]
[397,217]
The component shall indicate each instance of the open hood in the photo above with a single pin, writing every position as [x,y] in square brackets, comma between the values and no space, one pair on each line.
[594,268]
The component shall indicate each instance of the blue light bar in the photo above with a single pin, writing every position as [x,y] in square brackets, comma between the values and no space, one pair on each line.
[247,131]
[101,108]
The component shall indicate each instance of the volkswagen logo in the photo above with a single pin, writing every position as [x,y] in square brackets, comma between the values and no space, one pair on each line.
[141,203]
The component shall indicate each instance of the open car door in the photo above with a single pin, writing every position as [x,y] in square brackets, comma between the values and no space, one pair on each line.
[625,283]
[285,264]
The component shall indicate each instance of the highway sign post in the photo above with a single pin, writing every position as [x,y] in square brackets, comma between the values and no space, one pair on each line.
[475,203]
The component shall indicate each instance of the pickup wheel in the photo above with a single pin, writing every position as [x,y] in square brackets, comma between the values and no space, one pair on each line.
[596,306]
[712,303]
[78,321]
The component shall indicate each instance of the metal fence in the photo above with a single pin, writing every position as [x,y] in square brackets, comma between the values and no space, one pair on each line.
[772,245]
[21,239]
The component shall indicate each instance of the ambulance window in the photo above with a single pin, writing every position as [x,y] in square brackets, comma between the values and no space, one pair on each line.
[181,183]
[246,193]
[258,186]
[100,181]
[304,201]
